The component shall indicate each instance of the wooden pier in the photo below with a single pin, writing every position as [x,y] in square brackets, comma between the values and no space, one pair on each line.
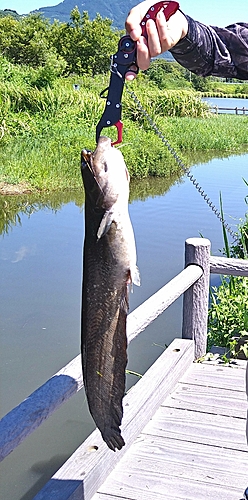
[184,422]
[195,445]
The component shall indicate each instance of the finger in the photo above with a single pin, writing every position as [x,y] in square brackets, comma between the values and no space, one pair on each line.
[130,76]
[163,32]
[131,73]
[135,17]
[143,54]
[154,44]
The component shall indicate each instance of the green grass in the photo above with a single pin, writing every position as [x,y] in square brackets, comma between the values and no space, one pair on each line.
[228,311]
[43,131]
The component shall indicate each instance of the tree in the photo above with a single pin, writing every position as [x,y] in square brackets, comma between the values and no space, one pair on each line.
[86,45]
[167,74]
[82,46]
[200,83]
[25,41]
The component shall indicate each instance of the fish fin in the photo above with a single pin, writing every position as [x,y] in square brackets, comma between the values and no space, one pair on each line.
[124,304]
[114,440]
[105,224]
[135,276]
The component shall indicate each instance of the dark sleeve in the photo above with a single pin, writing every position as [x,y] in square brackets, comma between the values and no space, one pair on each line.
[209,50]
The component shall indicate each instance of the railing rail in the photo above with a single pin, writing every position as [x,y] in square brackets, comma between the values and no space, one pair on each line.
[29,415]
[216,109]
[233,267]
[193,282]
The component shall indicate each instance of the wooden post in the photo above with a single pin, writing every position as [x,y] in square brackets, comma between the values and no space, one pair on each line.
[195,300]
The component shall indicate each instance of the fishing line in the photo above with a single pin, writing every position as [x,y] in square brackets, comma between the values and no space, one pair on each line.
[181,164]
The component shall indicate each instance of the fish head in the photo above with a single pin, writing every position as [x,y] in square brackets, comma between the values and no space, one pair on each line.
[105,175]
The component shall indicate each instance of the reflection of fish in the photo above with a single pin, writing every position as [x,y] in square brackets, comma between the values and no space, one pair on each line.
[109,266]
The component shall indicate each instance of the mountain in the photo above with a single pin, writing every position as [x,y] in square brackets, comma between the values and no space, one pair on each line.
[116,10]
[9,12]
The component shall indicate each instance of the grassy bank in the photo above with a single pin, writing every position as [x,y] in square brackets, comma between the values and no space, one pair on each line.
[220,93]
[43,131]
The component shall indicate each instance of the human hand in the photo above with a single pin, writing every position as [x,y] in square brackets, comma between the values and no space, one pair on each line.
[162,34]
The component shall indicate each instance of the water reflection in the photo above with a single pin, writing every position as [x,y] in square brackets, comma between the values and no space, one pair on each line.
[14,207]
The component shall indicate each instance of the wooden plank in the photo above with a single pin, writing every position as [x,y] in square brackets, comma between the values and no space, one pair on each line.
[89,466]
[208,400]
[196,427]
[235,267]
[166,468]
[222,376]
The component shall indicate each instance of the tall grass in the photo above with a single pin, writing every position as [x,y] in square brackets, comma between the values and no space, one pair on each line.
[228,312]
[43,131]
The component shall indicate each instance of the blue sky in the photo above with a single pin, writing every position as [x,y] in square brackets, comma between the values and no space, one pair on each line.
[218,12]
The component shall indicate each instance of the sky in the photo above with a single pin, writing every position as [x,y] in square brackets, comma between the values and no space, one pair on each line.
[215,12]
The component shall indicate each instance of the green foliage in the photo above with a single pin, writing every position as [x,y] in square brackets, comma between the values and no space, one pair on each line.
[23,77]
[170,75]
[167,75]
[80,46]
[25,41]
[161,103]
[228,313]
[240,249]
[221,89]
[42,130]
[86,45]
[200,83]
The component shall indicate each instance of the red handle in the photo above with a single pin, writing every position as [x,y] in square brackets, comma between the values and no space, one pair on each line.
[168,8]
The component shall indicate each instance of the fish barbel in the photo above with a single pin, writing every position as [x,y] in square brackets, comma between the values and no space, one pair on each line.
[109,266]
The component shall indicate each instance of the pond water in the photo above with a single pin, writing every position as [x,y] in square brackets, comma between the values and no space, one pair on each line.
[227,102]
[41,267]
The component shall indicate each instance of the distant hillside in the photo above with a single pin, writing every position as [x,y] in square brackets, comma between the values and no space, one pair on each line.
[116,10]
[9,12]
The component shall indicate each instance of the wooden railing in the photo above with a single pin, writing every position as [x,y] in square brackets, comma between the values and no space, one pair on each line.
[144,398]
[216,109]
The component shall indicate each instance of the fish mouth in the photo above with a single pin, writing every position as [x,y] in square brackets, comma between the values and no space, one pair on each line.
[89,176]
[88,163]
[86,156]
[95,160]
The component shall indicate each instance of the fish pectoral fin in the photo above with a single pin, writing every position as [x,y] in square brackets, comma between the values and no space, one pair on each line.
[105,224]
[135,276]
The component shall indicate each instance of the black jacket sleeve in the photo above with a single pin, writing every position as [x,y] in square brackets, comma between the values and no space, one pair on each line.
[209,50]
